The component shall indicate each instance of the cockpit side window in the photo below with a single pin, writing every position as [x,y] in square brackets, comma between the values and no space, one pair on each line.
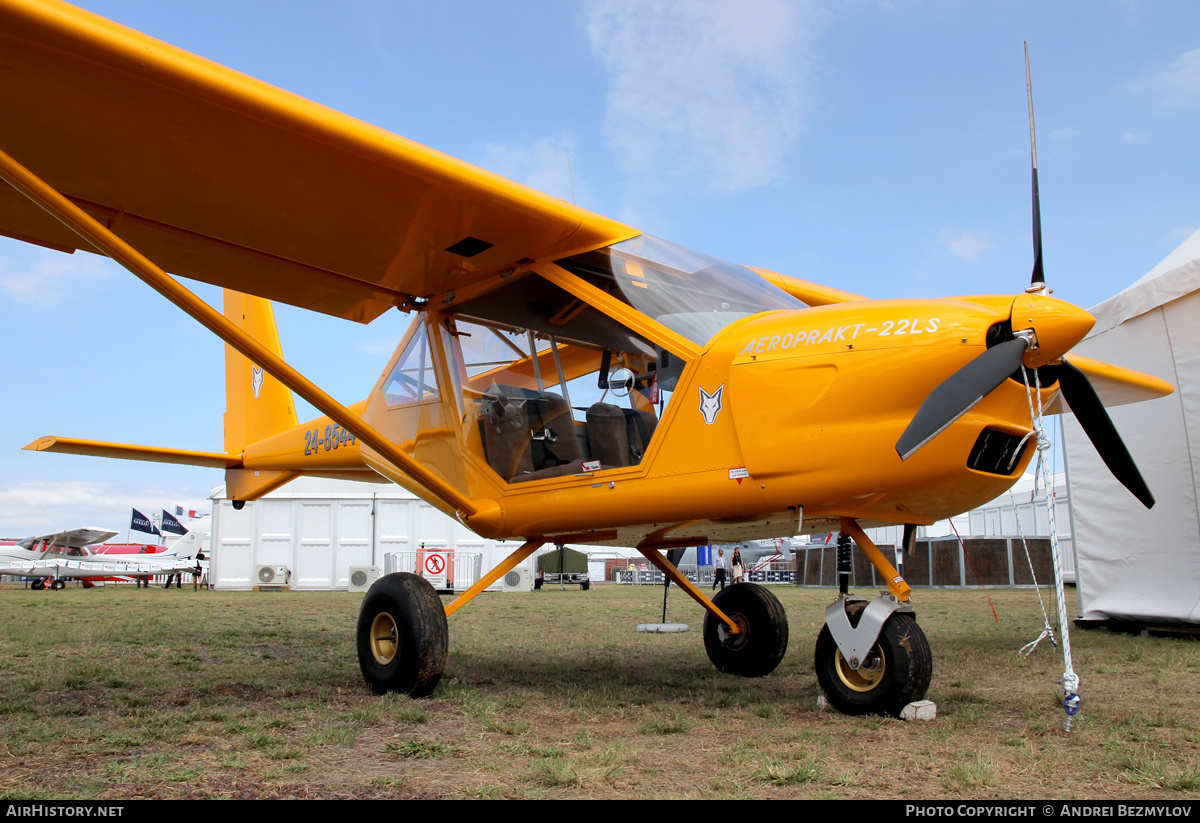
[552,387]
[413,378]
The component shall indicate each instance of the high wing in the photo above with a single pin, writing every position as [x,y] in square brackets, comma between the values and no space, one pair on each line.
[70,539]
[1115,385]
[222,178]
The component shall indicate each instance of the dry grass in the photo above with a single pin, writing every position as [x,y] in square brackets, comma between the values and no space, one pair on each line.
[121,693]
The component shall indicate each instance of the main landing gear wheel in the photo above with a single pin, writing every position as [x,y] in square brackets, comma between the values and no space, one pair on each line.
[38,585]
[757,649]
[402,636]
[58,585]
[896,671]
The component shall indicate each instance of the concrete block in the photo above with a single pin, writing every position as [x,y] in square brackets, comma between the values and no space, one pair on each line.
[920,710]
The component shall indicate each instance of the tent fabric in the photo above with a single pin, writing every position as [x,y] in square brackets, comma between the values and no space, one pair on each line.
[1176,276]
[573,562]
[1134,563]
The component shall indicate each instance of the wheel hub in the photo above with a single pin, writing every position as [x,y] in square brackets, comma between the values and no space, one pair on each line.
[733,641]
[384,638]
[867,676]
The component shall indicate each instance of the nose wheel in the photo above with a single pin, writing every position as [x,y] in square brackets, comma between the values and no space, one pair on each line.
[895,672]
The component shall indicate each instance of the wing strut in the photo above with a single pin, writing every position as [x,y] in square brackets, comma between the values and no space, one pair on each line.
[113,246]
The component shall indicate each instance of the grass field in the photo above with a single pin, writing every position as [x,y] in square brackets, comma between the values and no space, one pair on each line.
[122,693]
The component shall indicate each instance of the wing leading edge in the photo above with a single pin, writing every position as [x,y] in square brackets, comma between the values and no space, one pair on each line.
[225,179]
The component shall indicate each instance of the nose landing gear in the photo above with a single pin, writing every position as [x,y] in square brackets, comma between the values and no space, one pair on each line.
[895,671]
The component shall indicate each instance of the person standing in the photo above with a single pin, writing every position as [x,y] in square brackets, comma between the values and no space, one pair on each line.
[737,564]
[198,572]
[720,566]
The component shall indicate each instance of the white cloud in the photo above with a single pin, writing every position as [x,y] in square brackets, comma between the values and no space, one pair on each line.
[705,91]
[1133,137]
[37,507]
[542,166]
[965,244]
[1177,84]
[48,279]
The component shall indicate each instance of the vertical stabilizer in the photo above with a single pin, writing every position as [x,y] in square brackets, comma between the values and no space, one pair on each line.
[256,404]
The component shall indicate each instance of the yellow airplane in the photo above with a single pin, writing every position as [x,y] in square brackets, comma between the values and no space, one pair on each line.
[565,378]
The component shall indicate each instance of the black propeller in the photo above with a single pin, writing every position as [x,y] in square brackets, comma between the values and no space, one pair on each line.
[1038,281]
[974,381]
[960,392]
[1093,417]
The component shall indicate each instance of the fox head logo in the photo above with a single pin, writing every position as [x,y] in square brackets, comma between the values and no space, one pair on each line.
[710,404]
[256,381]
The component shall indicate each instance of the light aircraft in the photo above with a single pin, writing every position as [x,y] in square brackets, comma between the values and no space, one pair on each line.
[565,377]
[69,555]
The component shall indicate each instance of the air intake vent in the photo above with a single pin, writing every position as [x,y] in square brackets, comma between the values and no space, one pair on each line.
[996,452]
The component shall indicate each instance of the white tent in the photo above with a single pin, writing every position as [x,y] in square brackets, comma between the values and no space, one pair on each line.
[1132,563]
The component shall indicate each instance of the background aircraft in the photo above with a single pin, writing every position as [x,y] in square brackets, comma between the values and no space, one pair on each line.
[71,555]
[491,267]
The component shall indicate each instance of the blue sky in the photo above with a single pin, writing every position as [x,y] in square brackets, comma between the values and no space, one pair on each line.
[880,147]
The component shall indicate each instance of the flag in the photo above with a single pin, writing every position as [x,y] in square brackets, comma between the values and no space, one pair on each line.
[170,524]
[191,514]
[141,523]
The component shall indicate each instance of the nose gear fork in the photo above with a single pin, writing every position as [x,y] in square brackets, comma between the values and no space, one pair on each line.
[855,641]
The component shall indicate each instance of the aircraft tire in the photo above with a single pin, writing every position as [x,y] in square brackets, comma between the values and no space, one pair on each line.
[402,636]
[760,646]
[58,585]
[37,585]
[896,672]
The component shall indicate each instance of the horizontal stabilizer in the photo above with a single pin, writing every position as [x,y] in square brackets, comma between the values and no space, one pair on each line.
[150,454]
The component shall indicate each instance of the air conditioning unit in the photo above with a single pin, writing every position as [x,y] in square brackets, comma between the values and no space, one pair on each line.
[361,577]
[273,577]
[517,580]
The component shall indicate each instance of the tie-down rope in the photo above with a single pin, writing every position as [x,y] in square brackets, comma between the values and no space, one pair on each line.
[1070,680]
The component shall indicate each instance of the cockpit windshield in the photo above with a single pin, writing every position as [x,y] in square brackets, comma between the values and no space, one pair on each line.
[688,292]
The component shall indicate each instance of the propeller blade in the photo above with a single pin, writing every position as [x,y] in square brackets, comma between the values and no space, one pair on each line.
[1093,417]
[1038,281]
[960,392]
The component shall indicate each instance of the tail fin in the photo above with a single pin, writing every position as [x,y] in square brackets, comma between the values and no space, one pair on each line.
[256,404]
[188,545]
